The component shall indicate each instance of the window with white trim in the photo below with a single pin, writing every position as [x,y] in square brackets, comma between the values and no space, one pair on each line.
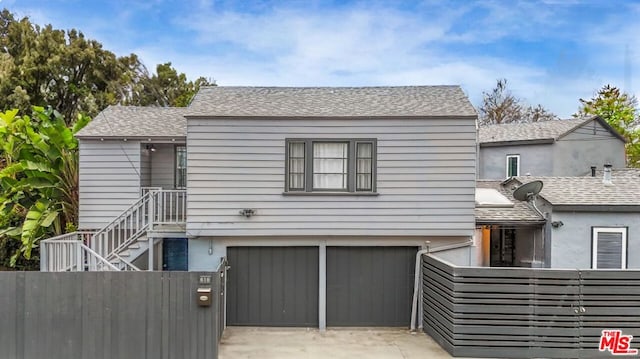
[181,167]
[513,165]
[330,165]
[609,248]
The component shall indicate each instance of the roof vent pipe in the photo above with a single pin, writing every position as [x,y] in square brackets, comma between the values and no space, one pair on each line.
[606,179]
[593,171]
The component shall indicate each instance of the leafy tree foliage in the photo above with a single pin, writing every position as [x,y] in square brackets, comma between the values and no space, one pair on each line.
[501,106]
[40,180]
[42,66]
[621,111]
[164,88]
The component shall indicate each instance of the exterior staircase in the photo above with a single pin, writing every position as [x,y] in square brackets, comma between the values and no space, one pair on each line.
[118,244]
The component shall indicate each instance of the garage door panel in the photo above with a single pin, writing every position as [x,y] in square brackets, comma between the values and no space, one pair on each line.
[369,286]
[272,286]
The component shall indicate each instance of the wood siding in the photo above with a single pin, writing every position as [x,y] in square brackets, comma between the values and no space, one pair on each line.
[110,174]
[163,166]
[589,145]
[425,179]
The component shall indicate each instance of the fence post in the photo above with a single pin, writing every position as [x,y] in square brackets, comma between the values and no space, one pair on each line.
[43,257]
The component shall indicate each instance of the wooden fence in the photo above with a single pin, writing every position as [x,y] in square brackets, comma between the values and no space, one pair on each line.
[100,315]
[525,313]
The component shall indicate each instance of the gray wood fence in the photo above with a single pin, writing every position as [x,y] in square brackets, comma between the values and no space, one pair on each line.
[525,313]
[137,315]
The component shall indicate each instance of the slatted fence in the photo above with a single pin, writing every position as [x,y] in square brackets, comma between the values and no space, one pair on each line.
[100,315]
[524,313]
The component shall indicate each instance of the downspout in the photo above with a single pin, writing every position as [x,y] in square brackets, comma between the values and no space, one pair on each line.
[416,305]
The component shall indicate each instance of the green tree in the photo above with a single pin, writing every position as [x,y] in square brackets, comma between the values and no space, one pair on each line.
[500,106]
[40,180]
[165,88]
[620,110]
[43,66]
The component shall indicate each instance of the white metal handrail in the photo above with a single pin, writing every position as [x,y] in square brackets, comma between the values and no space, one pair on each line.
[170,207]
[68,253]
[125,229]
[155,207]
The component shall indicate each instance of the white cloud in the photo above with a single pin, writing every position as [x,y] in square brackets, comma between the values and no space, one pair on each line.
[434,42]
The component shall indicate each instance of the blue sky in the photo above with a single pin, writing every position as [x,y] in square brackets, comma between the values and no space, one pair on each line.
[552,52]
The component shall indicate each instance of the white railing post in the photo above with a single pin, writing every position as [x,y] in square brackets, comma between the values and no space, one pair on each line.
[43,257]
[79,260]
[152,205]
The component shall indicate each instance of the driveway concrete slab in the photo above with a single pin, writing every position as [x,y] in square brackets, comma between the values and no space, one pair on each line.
[338,343]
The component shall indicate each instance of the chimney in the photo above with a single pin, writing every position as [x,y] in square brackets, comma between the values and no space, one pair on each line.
[593,171]
[606,179]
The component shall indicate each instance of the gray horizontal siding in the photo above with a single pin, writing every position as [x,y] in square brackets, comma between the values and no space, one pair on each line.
[423,166]
[109,180]
[163,166]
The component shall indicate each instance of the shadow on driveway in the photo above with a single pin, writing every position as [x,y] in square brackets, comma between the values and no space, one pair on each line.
[335,343]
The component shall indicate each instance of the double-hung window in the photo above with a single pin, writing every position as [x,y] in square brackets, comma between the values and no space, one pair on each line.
[513,166]
[181,167]
[331,165]
[609,248]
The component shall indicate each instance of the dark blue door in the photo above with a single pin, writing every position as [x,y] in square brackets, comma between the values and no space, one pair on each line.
[175,254]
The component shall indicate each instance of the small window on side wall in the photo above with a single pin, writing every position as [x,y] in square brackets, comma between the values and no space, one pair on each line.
[330,165]
[181,167]
[513,166]
[609,248]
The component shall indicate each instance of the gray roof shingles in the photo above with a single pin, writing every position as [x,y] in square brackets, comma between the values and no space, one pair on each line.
[546,130]
[519,213]
[137,121]
[588,191]
[402,101]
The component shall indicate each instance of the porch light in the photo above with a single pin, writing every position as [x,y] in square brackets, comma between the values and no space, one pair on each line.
[151,148]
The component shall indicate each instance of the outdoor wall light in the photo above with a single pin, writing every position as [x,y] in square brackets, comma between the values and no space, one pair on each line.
[557,224]
[248,212]
[151,148]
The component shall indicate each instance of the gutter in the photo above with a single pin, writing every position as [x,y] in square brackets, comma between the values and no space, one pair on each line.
[416,305]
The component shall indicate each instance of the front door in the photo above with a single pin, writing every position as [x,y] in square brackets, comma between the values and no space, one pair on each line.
[175,254]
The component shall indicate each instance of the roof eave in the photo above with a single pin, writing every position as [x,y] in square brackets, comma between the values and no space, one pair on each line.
[315,117]
[540,141]
[133,138]
[596,208]
[601,121]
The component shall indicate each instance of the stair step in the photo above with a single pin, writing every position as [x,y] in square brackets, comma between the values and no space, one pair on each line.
[134,246]
[142,239]
[125,253]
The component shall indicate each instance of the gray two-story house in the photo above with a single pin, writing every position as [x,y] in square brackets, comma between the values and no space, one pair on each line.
[318,198]
[549,148]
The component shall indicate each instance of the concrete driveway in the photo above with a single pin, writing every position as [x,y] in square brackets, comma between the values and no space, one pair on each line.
[299,343]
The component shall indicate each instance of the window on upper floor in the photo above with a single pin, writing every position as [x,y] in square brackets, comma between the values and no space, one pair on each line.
[181,166]
[331,165]
[609,248]
[513,165]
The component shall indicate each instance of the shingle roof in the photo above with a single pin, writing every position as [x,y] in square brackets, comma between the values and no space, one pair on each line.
[137,121]
[519,213]
[619,172]
[546,130]
[588,191]
[407,101]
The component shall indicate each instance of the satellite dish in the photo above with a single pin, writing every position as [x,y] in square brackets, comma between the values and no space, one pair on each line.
[527,191]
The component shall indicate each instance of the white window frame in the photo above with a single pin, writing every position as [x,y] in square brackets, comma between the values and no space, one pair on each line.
[517,157]
[177,169]
[594,244]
